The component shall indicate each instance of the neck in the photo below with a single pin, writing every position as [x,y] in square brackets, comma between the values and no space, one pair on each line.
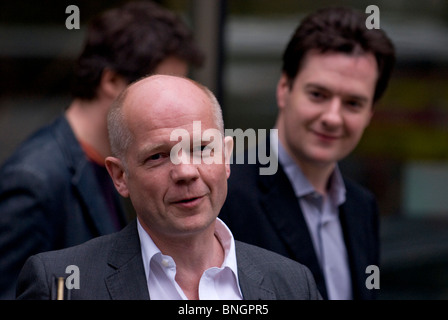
[88,121]
[317,175]
[193,255]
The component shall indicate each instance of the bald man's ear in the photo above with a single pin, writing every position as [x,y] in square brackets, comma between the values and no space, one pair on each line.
[228,150]
[118,174]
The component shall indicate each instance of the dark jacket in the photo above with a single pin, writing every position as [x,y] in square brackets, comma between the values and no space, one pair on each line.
[49,199]
[111,267]
[263,210]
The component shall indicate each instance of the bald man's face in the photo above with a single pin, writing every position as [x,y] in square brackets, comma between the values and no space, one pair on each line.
[171,199]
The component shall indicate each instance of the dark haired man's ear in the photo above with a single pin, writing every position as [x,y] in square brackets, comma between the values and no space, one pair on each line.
[283,88]
[111,84]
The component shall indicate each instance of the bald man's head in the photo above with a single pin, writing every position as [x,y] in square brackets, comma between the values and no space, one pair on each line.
[157,95]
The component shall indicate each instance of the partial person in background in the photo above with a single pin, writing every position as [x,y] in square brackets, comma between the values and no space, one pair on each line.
[55,191]
[334,71]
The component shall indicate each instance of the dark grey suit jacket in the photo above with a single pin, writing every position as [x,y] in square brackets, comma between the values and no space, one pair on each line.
[50,199]
[111,267]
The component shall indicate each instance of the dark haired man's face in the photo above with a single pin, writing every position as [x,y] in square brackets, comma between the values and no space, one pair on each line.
[323,115]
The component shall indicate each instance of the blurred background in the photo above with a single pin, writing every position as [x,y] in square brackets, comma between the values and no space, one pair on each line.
[402,158]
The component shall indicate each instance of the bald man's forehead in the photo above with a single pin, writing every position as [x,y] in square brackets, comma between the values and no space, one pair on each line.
[157,82]
[164,97]
[155,87]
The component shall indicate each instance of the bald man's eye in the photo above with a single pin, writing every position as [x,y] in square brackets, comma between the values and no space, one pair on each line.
[154,157]
[157,157]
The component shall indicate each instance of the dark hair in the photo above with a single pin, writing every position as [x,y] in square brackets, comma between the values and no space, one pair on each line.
[132,40]
[339,29]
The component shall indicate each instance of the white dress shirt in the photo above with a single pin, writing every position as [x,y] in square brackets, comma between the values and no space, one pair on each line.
[215,284]
[321,213]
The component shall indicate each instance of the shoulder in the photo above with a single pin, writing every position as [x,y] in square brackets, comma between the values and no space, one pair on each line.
[41,158]
[264,258]
[38,274]
[87,253]
[272,265]
[358,196]
[96,250]
[357,189]
[39,150]
[93,260]
[284,277]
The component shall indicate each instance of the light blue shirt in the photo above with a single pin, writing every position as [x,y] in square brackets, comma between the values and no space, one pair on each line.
[321,214]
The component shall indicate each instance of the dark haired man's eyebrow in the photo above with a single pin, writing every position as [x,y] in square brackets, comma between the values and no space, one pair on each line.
[316,86]
[322,88]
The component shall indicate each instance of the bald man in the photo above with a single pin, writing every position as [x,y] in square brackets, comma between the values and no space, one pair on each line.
[176,248]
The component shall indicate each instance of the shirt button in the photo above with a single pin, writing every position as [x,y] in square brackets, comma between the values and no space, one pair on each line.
[165,263]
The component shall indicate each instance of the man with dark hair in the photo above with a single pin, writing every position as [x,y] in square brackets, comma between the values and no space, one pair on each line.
[334,70]
[133,40]
[55,191]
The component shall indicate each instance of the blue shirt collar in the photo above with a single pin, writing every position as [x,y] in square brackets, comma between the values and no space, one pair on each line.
[299,181]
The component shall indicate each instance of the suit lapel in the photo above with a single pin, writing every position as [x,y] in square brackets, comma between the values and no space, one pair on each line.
[352,222]
[83,177]
[85,183]
[250,278]
[128,281]
[278,196]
